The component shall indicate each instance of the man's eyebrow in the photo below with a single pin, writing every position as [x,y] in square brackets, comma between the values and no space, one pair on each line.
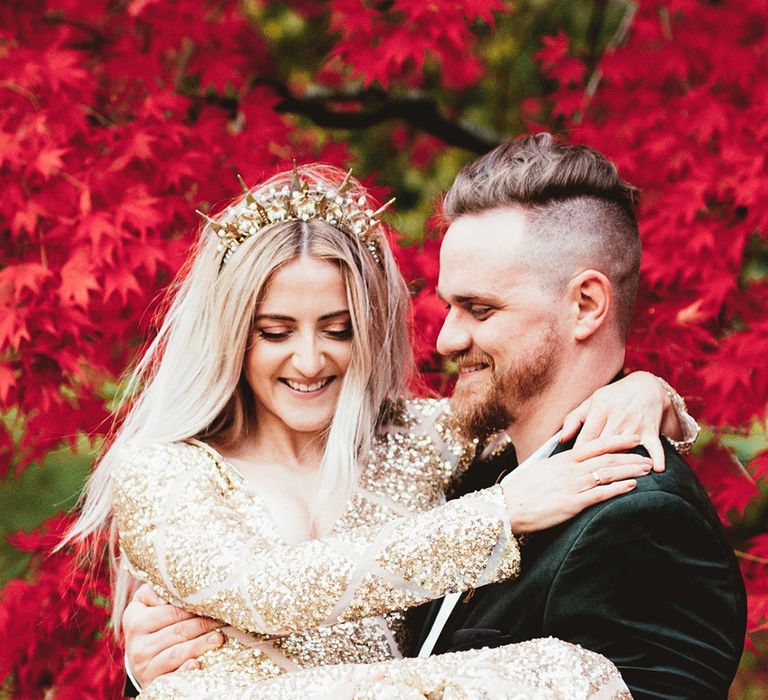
[470,298]
[281,317]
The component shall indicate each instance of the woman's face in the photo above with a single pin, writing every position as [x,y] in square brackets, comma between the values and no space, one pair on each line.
[300,348]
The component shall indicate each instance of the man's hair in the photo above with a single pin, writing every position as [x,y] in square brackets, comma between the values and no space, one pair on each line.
[578,211]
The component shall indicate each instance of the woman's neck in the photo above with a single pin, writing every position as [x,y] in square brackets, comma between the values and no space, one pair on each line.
[275,443]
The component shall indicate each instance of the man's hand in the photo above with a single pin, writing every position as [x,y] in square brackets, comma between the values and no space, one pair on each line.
[555,489]
[160,638]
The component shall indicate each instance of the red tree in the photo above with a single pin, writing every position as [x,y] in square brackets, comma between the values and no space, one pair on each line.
[118,119]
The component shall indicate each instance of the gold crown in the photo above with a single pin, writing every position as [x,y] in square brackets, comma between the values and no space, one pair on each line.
[301,201]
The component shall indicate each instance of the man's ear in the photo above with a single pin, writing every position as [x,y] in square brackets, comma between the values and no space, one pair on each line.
[590,293]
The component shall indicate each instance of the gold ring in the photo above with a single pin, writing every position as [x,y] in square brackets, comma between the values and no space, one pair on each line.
[598,480]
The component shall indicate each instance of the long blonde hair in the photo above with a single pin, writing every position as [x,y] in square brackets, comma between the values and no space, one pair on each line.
[189,383]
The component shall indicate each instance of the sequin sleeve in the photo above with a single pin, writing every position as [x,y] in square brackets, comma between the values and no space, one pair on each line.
[539,669]
[179,533]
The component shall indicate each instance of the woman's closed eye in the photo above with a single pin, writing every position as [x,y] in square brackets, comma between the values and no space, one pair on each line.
[274,333]
[339,331]
[336,331]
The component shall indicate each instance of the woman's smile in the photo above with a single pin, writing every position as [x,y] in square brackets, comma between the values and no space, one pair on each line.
[307,388]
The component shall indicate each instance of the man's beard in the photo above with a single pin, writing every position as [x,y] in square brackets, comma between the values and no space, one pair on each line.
[480,415]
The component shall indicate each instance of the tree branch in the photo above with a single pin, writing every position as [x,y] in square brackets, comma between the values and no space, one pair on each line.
[363,109]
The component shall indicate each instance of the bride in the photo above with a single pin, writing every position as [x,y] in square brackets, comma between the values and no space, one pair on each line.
[270,472]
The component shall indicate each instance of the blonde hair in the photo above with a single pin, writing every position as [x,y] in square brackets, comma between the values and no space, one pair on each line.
[189,383]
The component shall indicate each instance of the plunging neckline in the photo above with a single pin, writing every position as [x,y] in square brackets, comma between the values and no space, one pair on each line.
[259,498]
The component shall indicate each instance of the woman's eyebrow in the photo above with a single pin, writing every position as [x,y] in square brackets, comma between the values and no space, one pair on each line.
[281,317]
[335,314]
[275,317]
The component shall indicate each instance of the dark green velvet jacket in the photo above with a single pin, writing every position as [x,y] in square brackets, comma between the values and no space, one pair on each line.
[647,579]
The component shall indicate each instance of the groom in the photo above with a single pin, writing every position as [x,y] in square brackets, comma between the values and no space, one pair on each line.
[540,268]
[536,323]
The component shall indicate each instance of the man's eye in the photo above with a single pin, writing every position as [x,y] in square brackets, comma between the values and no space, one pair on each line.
[480,310]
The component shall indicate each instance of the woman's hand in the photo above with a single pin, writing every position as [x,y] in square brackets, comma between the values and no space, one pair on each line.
[638,403]
[552,491]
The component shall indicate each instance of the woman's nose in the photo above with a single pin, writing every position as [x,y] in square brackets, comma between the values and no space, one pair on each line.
[308,358]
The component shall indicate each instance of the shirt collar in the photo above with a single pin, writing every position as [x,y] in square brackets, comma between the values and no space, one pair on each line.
[542,452]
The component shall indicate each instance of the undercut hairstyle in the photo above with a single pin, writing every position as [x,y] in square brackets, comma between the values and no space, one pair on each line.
[579,213]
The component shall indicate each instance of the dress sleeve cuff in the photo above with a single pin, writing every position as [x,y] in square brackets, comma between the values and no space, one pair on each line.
[690,427]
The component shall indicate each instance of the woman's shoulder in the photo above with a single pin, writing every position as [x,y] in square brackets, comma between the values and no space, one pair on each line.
[136,451]
[160,458]
[421,410]
[420,440]
[435,416]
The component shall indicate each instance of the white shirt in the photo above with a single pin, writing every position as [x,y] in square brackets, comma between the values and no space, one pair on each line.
[449,602]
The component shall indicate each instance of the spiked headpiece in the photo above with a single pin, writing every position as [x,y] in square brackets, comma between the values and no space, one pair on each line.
[301,201]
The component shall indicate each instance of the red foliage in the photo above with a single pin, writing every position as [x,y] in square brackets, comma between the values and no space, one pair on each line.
[395,44]
[53,625]
[680,108]
[117,120]
[101,169]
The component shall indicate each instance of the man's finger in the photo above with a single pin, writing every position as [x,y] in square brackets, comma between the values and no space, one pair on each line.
[140,619]
[190,665]
[147,596]
[188,630]
[169,660]
[175,634]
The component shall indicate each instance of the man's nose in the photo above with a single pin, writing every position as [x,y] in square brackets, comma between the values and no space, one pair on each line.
[308,357]
[453,337]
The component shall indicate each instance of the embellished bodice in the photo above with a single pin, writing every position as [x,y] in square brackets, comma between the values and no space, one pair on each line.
[192,527]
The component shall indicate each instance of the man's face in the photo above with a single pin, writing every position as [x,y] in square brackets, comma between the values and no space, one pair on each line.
[503,327]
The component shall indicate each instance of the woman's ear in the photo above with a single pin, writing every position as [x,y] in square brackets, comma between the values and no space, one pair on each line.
[590,292]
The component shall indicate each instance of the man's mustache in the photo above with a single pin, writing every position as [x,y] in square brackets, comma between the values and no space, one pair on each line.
[469,358]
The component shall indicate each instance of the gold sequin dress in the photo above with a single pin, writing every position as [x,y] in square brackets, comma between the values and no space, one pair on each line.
[192,527]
